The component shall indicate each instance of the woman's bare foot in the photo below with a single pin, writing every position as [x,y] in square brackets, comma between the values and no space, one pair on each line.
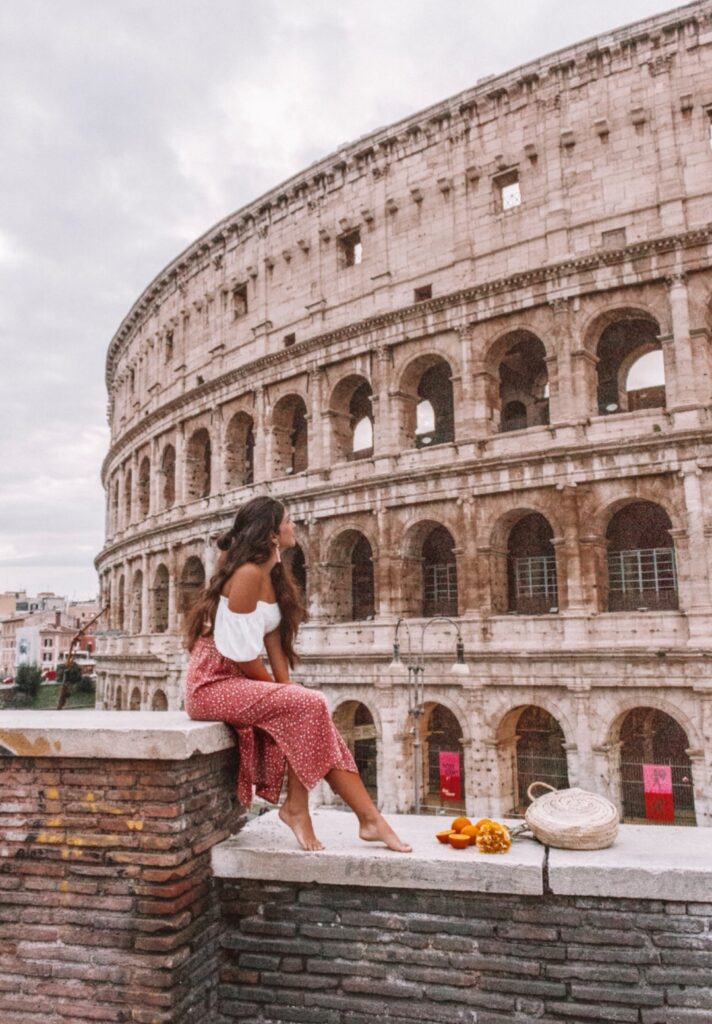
[379,828]
[301,824]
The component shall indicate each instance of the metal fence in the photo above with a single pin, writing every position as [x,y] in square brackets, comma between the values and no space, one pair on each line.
[535,584]
[538,768]
[642,578]
[440,589]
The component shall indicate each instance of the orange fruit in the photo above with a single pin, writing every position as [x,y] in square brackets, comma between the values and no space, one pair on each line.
[460,823]
[459,841]
[471,832]
[483,821]
[443,837]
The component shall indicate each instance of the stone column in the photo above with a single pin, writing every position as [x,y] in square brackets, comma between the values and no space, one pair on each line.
[145,596]
[593,552]
[561,393]
[382,565]
[318,422]
[685,391]
[172,565]
[693,576]
[260,431]
[217,453]
[466,578]
[581,767]
[180,470]
[570,586]
[584,379]
[484,389]
[465,414]
[155,480]
[384,430]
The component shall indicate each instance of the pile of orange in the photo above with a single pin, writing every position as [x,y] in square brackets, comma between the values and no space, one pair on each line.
[487,835]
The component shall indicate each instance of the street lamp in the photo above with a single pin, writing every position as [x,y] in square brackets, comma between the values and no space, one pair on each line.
[415,666]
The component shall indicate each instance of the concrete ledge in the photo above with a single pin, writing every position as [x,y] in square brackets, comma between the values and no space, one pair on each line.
[657,862]
[167,735]
[645,862]
[266,849]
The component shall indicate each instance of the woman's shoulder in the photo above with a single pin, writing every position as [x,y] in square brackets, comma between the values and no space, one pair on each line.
[244,586]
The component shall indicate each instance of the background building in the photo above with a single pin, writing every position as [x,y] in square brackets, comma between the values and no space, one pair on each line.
[471,352]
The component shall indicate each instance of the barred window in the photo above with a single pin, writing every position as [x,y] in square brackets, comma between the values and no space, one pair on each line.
[536,576]
[642,578]
[440,585]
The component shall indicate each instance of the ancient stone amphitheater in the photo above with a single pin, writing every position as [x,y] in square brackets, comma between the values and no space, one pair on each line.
[471,352]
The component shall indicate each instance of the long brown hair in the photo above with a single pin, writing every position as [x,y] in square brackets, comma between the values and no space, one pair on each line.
[249,540]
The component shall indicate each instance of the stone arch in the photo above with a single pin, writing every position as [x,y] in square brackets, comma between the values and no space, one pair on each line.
[429,576]
[516,368]
[120,616]
[426,410]
[349,566]
[647,735]
[531,746]
[356,723]
[192,581]
[135,700]
[128,497]
[159,604]
[198,461]
[351,417]
[441,731]
[239,450]
[159,701]
[168,474]
[641,564]
[136,623]
[290,453]
[623,337]
[144,487]
[504,567]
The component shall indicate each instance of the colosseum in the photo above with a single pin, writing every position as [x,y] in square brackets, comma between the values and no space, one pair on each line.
[472,354]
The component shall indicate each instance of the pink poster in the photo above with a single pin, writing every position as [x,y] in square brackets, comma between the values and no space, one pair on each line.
[449,775]
[657,786]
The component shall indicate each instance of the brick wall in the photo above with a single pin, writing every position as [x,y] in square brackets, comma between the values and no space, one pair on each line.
[348,955]
[107,904]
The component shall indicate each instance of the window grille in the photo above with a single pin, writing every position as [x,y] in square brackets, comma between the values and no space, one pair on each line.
[642,578]
[536,577]
[440,589]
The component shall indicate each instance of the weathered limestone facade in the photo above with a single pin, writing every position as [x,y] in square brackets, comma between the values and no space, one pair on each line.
[422,345]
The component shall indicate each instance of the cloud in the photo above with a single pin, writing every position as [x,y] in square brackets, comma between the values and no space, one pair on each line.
[128,129]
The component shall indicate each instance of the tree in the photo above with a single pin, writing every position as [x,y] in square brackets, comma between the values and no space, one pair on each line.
[28,679]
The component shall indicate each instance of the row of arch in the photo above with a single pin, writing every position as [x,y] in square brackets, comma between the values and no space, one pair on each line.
[537,745]
[638,572]
[630,376]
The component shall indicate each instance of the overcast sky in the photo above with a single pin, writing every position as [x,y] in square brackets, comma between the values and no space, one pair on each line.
[128,128]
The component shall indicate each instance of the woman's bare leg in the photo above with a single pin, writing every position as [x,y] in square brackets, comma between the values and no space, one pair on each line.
[295,813]
[372,825]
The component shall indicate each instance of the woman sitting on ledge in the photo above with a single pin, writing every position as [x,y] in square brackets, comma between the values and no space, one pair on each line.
[252,600]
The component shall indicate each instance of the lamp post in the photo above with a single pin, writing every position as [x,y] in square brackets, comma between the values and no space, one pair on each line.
[415,666]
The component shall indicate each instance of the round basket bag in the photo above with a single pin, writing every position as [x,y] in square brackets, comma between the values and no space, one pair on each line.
[571,819]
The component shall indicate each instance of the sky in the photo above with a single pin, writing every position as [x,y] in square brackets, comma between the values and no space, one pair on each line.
[127,129]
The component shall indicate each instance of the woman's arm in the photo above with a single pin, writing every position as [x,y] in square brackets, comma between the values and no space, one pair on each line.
[277,657]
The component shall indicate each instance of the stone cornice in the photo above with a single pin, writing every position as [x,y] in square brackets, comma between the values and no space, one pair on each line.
[555,272]
[454,117]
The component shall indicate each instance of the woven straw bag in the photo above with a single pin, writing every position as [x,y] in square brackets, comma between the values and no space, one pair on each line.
[571,819]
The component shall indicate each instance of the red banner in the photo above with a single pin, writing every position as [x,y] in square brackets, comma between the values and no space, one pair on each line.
[450,788]
[657,786]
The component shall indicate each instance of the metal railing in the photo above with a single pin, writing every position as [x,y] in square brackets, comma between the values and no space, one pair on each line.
[440,589]
[535,585]
[642,578]
[633,794]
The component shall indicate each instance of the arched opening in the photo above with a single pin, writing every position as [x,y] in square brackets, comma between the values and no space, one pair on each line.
[351,577]
[199,454]
[351,416]
[531,567]
[523,383]
[291,453]
[192,581]
[621,349]
[137,602]
[642,574]
[439,583]
[435,415]
[144,487]
[160,599]
[159,701]
[540,754]
[239,450]
[128,489]
[168,472]
[656,773]
[355,723]
[135,701]
[120,611]
[443,785]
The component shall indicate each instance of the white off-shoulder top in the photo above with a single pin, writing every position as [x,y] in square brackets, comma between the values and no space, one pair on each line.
[240,635]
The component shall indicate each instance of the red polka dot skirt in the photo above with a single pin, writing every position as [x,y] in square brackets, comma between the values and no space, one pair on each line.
[275,723]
